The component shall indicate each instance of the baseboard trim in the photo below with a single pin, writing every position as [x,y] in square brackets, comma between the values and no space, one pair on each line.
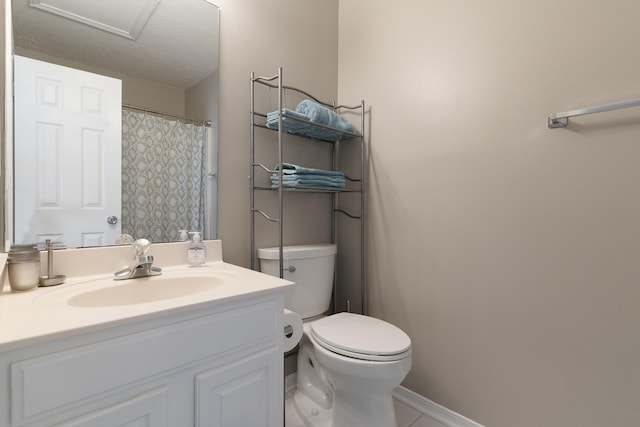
[432,410]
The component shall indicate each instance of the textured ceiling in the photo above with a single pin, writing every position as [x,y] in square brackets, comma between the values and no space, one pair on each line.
[178,45]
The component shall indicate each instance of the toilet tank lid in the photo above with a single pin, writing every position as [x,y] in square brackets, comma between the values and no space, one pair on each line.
[298,251]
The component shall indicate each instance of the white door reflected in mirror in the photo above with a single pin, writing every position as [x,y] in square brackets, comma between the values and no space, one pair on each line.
[66,117]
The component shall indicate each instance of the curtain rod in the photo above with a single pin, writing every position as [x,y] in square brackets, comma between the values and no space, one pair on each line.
[188,119]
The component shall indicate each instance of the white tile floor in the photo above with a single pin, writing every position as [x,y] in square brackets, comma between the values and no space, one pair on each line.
[406,416]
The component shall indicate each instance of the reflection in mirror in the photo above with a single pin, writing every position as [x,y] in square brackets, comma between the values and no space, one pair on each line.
[164,53]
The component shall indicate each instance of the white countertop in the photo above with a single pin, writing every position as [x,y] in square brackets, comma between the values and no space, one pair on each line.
[45,314]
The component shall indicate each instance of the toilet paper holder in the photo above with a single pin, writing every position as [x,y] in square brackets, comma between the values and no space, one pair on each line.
[292,330]
[288,331]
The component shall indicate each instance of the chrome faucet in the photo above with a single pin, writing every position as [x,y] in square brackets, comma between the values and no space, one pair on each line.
[142,265]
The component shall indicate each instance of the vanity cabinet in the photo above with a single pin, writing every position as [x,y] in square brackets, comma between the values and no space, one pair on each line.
[211,365]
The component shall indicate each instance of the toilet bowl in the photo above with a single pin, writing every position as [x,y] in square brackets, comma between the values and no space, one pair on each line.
[348,364]
[349,368]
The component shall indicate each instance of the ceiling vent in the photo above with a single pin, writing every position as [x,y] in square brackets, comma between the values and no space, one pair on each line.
[125,18]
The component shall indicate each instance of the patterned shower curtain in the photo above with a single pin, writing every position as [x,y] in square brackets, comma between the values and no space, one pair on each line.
[163,176]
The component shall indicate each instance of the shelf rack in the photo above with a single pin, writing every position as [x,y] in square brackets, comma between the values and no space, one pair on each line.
[354,185]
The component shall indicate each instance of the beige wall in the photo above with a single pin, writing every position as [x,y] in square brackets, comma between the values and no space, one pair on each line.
[202,103]
[508,251]
[302,37]
[202,99]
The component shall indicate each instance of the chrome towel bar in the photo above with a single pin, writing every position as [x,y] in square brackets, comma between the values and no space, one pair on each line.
[559,120]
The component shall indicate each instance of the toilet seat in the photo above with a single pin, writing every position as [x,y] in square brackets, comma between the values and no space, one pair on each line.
[361,337]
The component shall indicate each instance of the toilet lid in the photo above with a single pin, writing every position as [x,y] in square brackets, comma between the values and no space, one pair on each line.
[362,337]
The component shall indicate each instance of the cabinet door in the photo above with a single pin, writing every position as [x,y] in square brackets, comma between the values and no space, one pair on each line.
[248,392]
[145,410]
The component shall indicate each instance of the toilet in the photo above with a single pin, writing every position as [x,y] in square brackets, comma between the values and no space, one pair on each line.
[348,364]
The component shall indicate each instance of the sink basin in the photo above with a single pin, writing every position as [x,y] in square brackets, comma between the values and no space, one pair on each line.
[145,290]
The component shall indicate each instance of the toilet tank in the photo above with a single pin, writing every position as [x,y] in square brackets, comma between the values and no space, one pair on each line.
[311,268]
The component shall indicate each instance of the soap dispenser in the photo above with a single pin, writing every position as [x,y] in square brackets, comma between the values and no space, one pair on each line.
[196,251]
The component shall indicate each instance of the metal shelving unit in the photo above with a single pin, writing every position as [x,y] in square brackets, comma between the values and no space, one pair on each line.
[275,88]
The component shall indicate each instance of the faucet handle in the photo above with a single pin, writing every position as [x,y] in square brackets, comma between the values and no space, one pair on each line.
[141,247]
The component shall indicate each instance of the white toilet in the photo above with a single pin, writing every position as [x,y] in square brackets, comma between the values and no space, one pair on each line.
[348,364]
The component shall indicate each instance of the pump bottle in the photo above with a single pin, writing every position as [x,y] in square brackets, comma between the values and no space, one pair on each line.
[196,251]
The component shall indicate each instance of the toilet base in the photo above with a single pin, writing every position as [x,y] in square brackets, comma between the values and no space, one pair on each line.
[311,414]
[357,408]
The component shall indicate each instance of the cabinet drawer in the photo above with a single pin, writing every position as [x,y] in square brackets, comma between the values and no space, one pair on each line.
[55,382]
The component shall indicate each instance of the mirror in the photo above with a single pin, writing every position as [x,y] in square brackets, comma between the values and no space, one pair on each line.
[165,52]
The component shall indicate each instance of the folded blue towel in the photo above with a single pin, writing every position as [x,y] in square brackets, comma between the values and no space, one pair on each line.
[316,114]
[294,175]
[328,178]
[301,182]
[323,134]
[288,124]
[289,169]
[320,114]
[286,179]
[273,116]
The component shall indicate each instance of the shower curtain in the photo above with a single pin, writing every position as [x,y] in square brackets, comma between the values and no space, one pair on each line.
[163,176]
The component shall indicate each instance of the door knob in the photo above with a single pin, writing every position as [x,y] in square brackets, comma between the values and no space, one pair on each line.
[112,220]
